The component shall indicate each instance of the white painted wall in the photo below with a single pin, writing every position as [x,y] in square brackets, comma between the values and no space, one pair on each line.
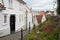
[20,22]
[43,19]
[55,8]
[35,18]
[4,27]
[29,20]
[17,9]
[35,21]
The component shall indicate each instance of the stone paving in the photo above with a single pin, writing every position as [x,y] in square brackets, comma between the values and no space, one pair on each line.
[14,36]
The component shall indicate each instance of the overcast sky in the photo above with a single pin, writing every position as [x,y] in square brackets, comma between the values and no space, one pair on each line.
[38,5]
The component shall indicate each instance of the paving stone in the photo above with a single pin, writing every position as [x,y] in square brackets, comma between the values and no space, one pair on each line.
[15,36]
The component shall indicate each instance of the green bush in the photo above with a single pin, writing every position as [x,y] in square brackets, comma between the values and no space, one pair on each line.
[43,35]
[31,36]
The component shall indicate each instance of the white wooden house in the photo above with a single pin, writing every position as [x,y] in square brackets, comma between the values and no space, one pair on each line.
[55,8]
[34,18]
[14,17]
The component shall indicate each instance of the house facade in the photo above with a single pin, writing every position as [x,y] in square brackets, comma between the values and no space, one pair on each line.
[38,17]
[41,17]
[14,17]
[34,18]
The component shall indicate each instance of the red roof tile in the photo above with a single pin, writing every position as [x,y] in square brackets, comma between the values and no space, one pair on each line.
[39,17]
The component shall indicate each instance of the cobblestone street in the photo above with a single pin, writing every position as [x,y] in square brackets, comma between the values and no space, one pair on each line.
[14,36]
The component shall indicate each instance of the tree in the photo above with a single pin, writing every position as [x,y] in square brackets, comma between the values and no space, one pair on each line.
[58,7]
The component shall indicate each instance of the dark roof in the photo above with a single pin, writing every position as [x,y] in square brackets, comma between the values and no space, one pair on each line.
[47,12]
[21,1]
[52,11]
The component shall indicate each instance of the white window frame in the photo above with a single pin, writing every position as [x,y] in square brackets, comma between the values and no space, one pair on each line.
[5,18]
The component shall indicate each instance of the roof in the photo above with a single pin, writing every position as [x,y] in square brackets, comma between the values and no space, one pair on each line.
[1,5]
[47,12]
[39,17]
[21,1]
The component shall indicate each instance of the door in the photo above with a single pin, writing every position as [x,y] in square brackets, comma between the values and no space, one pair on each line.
[12,23]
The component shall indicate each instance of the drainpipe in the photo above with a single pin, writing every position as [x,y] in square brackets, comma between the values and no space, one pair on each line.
[26,20]
[10,4]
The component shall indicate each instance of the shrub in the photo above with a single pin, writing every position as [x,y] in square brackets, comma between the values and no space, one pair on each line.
[47,31]
[31,36]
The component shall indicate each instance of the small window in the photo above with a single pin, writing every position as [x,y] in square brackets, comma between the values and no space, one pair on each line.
[21,18]
[5,18]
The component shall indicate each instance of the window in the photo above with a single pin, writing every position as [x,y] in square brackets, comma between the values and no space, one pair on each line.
[22,9]
[5,18]
[21,18]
